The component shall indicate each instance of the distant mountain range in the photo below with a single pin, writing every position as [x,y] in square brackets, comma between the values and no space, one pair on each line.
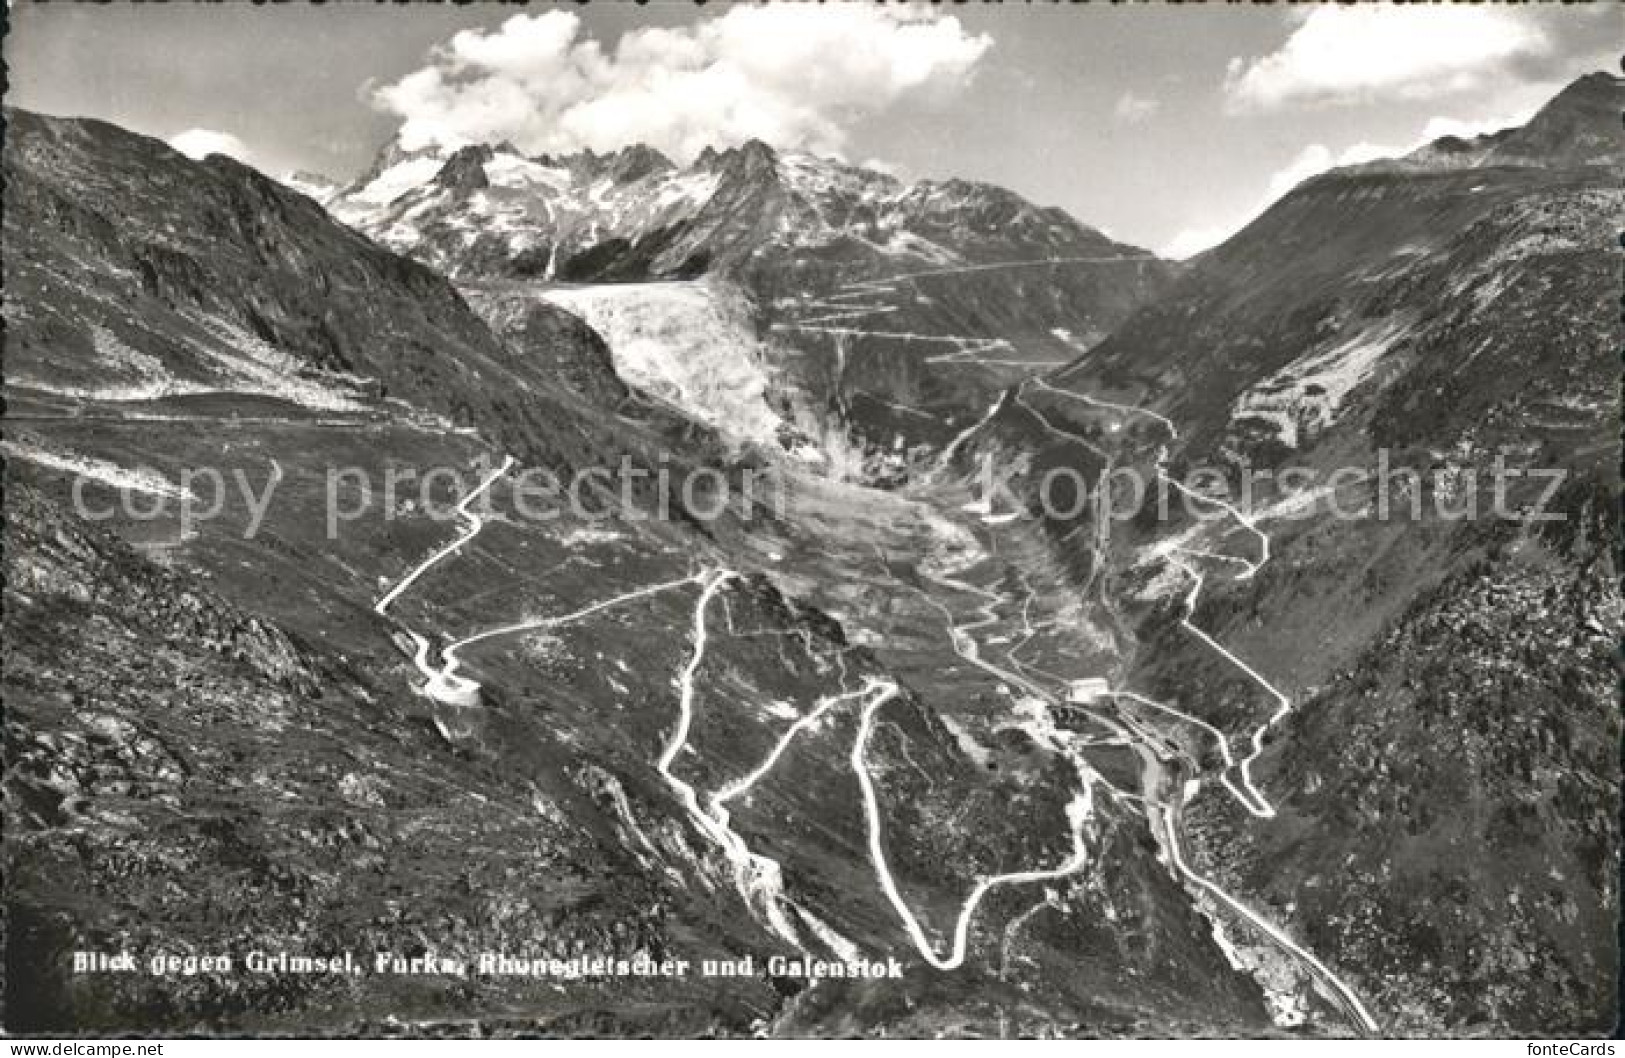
[634,215]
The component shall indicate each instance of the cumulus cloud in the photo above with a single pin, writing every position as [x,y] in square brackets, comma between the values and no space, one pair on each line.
[1132,108]
[1318,158]
[1439,127]
[1372,52]
[793,75]
[1192,241]
[198,144]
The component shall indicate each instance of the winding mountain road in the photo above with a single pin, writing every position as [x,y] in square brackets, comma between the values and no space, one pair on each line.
[1079,810]
[1163,809]
[759,878]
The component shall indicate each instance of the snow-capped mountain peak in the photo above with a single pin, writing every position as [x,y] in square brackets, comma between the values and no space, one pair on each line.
[318,186]
[633,214]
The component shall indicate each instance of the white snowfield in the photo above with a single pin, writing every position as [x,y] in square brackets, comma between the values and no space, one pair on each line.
[394,182]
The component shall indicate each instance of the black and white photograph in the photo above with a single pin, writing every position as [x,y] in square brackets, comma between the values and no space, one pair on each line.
[780,520]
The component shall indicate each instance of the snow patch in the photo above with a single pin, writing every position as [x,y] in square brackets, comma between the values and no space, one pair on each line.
[844,949]
[511,171]
[398,179]
[967,742]
[782,709]
[1311,391]
[588,537]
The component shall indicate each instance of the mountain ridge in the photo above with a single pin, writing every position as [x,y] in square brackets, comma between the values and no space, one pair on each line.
[805,202]
[1440,325]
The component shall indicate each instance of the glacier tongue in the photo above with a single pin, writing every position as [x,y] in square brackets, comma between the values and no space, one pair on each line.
[691,343]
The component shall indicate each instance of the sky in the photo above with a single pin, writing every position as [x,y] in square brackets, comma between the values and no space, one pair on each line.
[1165,126]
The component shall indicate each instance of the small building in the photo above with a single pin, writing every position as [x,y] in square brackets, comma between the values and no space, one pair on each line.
[1082,692]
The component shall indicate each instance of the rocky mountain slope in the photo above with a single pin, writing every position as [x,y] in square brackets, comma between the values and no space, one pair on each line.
[133,281]
[153,288]
[1430,682]
[418,732]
